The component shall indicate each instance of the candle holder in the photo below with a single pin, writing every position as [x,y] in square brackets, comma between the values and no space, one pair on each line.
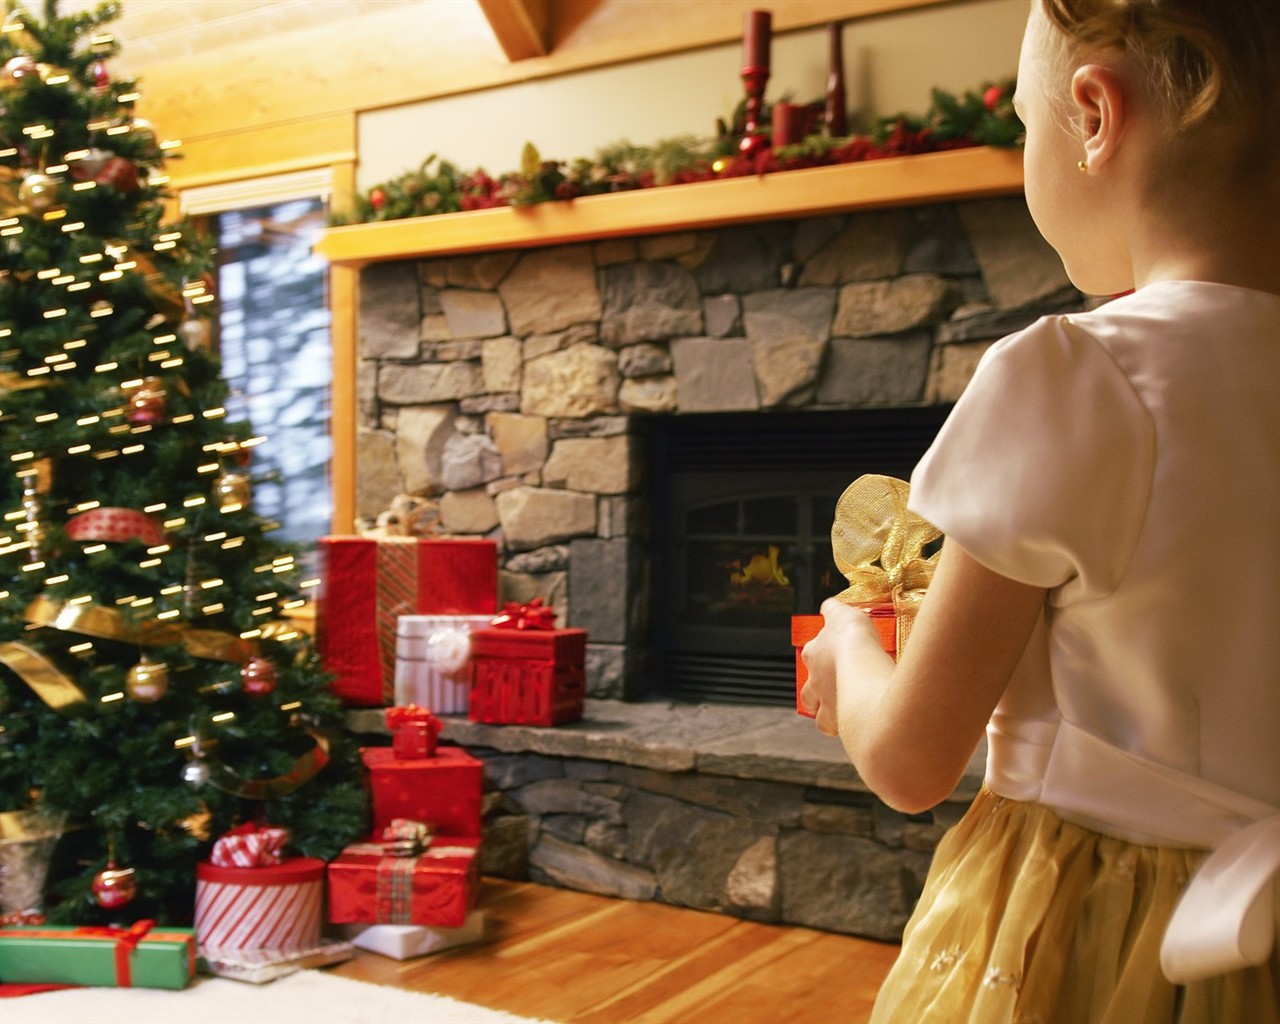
[754,137]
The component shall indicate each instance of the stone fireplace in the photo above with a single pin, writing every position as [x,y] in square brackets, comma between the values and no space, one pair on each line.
[551,397]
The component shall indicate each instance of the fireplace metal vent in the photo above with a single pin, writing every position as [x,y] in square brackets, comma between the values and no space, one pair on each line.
[742,509]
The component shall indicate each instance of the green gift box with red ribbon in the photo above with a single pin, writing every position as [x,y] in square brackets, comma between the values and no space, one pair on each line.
[141,956]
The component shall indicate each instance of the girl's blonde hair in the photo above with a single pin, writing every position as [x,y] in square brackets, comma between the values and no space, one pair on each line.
[1205,58]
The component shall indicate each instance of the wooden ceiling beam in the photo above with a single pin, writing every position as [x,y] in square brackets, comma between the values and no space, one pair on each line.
[522,27]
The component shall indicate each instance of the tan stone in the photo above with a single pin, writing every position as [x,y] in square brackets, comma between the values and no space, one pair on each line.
[522,441]
[951,368]
[888,307]
[532,517]
[550,289]
[753,880]
[378,475]
[484,271]
[668,247]
[433,382]
[434,327]
[500,363]
[580,381]
[600,465]
[870,247]
[470,511]
[523,587]
[648,394]
[421,432]
[611,251]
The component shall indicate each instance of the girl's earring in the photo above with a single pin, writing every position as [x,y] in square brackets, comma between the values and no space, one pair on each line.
[1082,166]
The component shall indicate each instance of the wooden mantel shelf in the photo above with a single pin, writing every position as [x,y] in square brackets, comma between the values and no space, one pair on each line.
[900,181]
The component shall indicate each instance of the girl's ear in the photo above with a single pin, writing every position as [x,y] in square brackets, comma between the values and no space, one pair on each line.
[1098,95]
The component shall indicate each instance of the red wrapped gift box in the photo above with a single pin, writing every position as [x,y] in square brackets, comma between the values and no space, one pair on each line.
[366,584]
[805,627]
[442,791]
[273,907]
[527,676]
[437,887]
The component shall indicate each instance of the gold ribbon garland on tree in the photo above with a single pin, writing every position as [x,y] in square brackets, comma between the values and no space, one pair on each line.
[878,544]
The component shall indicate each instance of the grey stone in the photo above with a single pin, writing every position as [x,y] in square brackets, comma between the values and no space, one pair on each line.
[504,851]
[366,392]
[602,576]
[788,332]
[569,827]
[992,324]
[767,802]
[870,246]
[615,672]
[533,517]
[597,426]
[483,271]
[721,315]
[379,478]
[473,314]
[1019,266]
[606,839]
[479,405]
[939,244]
[390,311]
[609,252]
[813,233]
[576,867]
[591,771]
[579,334]
[578,381]
[568,796]
[844,884]
[550,289]
[714,375]
[889,307]
[875,371]
[421,433]
[669,247]
[453,350]
[745,259]
[599,465]
[649,394]
[554,558]
[468,512]
[434,382]
[838,819]
[644,360]
[511,771]
[469,460]
[753,880]
[648,302]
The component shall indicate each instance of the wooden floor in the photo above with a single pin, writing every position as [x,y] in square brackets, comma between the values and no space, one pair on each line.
[573,957]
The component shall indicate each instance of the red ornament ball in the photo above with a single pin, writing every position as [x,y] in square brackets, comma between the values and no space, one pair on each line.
[113,887]
[147,402]
[377,199]
[992,97]
[258,677]
[120,174]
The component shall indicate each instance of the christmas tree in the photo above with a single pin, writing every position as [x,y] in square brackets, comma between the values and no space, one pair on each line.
[156,687]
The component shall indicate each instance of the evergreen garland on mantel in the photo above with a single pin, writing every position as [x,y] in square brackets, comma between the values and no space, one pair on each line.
[975,118]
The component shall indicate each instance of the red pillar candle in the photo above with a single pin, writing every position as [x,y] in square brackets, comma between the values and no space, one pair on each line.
[757,34]
[788,123]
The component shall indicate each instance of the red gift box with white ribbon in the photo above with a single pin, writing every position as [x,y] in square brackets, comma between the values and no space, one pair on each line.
[367,584]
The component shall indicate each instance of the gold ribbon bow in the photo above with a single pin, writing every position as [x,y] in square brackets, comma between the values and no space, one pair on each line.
[879,548]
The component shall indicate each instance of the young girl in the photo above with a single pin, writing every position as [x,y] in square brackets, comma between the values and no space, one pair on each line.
[1107,601]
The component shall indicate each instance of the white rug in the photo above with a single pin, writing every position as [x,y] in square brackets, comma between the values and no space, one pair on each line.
[307,997]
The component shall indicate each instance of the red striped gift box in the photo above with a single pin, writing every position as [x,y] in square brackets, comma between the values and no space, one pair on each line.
[273,907]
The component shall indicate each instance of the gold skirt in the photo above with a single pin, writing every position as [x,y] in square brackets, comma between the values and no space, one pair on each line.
[1027,919]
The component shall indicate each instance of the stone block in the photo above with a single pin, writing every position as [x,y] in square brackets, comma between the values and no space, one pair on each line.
[877,892]
[504,851]
[1018,265]
[421,433]
[500,364]
[714,375]
[875,371]
[576,867]
[567,796]
[602,576]
[468,512]
[648,302]
[532,517]
[753,880]
[484,271]
[453,349]
[616,672]
[551,587]
[468,461]
[481,405]
[644,360]
[988,323]
[610,251]
[648,394]
[579,381]
[553,558]
[757,800]
[745,259]
[433,382]
[668,247]
[951,368]
[473,314]
[521,440]
[378,480]
[551,289]
[390,311]
[721,316]
[813,233]
[367,392]
[504,772]
[938,244]
[597,465]
[870,246]
[569,827]
[788,331]
[890,307]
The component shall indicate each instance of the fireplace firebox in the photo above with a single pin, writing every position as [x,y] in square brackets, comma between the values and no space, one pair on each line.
[741,529]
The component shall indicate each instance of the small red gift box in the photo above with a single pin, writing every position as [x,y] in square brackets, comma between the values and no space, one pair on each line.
[436,887]
[442,791]
[413,731]
[805,627]
[366,584]
[527,676]
[271,906]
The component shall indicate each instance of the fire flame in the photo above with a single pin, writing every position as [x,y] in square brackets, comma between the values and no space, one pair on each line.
[761,569]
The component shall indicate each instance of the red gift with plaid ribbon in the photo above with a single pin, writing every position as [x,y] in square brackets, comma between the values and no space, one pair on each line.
[436,887]
[524,671]
[367,584]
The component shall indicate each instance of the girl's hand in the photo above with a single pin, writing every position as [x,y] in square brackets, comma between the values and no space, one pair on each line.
[847,633]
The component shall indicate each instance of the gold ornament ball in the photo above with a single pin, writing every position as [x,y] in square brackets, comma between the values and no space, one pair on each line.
[147,404]
[38,191]
[233,490]
[147,681]
[20,67]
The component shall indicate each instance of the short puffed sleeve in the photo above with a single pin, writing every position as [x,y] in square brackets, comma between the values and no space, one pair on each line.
[1043,470]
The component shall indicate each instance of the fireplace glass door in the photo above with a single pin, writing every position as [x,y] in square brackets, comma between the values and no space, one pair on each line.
[742,537]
